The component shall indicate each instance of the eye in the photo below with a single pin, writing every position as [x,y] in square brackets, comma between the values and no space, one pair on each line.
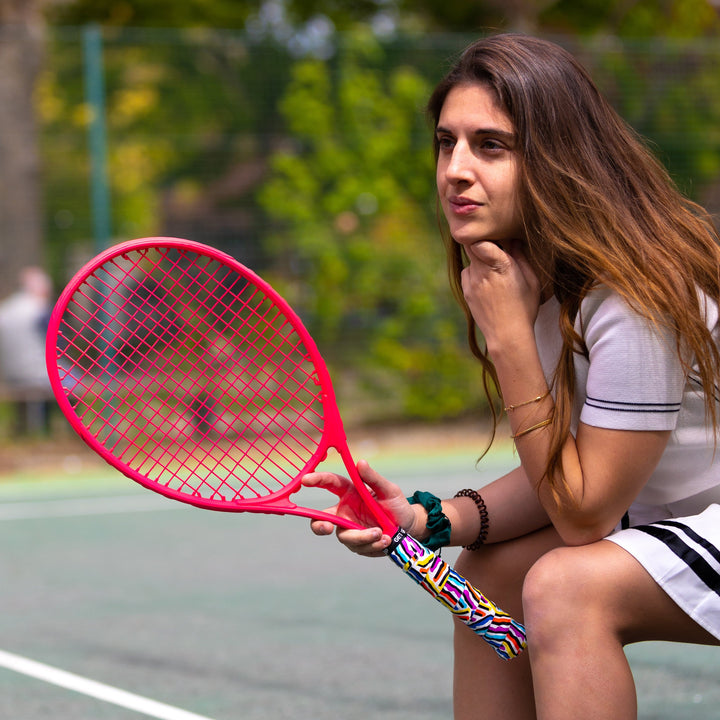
[492,145]
[445,142]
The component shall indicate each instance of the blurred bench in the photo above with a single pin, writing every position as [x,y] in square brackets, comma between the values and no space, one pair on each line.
[30,408]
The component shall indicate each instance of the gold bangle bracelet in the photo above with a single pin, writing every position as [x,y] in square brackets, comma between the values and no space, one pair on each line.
[539,425]
[537,399]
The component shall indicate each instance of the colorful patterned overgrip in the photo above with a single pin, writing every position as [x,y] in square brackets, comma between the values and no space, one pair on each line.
[433,574]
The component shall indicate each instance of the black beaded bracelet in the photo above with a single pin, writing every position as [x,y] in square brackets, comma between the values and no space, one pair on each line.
[484,519]
[437,522]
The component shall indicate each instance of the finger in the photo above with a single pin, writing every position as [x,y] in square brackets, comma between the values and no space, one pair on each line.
[516,251]
[382,487]
[528,271]
[370,542]
[332,482]
[322,527]
[488,252]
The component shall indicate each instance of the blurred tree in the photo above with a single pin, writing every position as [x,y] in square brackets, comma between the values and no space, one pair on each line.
[365,266]
[345,227]
[153,13]
[424,15]
[635,18]
[670,92]
[21,42]
[191,117]
[630,18]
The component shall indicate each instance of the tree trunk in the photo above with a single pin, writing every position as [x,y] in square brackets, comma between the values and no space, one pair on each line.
[21,47]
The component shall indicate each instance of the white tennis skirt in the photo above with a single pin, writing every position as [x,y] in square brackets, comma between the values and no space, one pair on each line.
[683,556]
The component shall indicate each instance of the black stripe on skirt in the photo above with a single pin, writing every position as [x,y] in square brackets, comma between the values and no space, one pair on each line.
[696,562]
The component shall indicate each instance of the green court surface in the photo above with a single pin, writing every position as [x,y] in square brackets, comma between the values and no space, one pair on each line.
[183,614]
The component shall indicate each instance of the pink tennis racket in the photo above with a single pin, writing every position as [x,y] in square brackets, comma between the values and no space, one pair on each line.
[189,374]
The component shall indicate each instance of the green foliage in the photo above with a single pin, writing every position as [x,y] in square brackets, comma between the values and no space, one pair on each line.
[343,14]
[153,13]
[345,226]
[670,92]
[356,249]
[640,19]
[183,111]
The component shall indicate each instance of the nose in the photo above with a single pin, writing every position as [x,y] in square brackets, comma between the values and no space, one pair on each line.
[459,168]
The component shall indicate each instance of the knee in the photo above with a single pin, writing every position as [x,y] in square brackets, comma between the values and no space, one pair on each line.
[498,570]
[559,593]
[551,577]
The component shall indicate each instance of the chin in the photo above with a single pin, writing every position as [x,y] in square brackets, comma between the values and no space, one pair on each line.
[468,240]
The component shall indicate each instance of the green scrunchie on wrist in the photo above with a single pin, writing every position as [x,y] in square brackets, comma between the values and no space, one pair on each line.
[437,522]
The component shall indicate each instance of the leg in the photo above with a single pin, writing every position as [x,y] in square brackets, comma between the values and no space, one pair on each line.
[485,686]
[582,604]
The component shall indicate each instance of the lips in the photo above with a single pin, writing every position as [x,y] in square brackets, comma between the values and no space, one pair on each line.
[463,206]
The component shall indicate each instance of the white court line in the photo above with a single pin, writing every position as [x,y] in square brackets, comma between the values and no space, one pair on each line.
[83,685]
[86,506]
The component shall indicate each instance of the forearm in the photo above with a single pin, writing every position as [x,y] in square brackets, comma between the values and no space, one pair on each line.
[530,411]
[513,510]
[602,469]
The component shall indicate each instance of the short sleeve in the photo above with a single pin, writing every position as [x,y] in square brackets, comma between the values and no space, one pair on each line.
[635,380]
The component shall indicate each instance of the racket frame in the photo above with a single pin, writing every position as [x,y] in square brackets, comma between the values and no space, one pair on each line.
[332,435]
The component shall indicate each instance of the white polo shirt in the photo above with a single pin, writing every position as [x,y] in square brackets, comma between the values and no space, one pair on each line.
[632,379]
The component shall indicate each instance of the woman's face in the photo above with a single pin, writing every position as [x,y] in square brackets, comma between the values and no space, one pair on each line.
[477,167]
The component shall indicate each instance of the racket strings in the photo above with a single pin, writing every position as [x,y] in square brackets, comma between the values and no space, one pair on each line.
[191,374]
[150,470]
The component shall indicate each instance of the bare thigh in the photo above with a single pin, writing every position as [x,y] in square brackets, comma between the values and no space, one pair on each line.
[604,586]
[582,605]
[651,613]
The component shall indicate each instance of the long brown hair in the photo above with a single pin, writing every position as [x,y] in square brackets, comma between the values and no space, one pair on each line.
[597,207]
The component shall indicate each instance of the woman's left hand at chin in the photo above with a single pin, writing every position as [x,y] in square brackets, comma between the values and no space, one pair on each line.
[500,286]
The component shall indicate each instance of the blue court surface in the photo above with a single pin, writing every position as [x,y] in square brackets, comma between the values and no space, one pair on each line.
[117,603]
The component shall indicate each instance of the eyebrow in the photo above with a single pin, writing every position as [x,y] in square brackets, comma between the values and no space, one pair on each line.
[510,136]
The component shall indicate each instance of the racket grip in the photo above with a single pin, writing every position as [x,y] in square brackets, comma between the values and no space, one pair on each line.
[431,572]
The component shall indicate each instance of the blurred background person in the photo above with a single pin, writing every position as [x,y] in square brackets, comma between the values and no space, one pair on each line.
[24,317]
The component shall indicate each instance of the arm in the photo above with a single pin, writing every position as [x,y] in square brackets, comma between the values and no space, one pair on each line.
[513,508]
[604,469]
[512,504]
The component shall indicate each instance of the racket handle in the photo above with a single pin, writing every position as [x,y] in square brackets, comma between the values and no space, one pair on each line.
[431,572]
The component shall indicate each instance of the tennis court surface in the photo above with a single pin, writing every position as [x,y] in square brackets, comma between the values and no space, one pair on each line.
[119,604]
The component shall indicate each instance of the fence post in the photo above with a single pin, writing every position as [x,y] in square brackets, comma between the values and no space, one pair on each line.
[97,137]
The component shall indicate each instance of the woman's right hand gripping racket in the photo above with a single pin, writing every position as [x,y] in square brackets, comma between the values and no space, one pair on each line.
[192,376]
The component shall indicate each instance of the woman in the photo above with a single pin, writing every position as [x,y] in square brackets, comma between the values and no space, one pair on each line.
[595,286]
